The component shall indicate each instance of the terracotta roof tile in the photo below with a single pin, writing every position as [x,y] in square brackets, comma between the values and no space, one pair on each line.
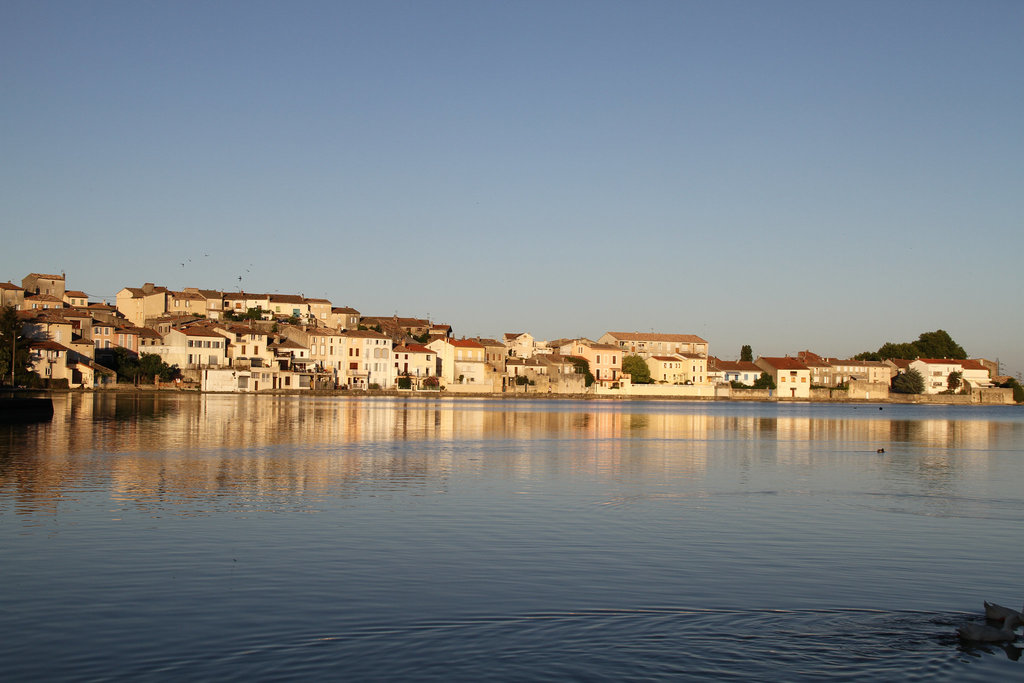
[785,363]
[655,336]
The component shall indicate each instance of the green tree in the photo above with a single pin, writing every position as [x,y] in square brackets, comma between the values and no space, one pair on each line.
[909,382]
[906,351]
[765,381]
[144,368]
[13,343]
[637,367]
[954,381]
[938,344]
[582,368]
[1018,390]
[746,353]
[125,364]
[405,381]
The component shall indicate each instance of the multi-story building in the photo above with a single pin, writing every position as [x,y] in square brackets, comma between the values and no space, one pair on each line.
[936,372]
[138,304]
[343,318]
[645,344]
[11,295]
[41,283]
[414,361]
[740,371]
[367,360]
[792,378]
[76,299]
[605,359]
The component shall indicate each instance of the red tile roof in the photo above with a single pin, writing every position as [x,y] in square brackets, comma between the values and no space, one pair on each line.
[736,366]
[466,343]
[200,331]
[786,363]
[655,336]
[418,348]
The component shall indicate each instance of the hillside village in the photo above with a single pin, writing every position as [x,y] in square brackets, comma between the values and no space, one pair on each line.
[247,342]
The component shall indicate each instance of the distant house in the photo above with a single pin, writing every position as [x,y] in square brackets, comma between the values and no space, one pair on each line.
[194,347]
[605,359]
[319,311]
[440,330]
[935,372]
[666,369]
[41,283]
[976,374]
[462,361]
[792,378]
[290,355]
[844,371]
[397,328]
[49,359]
[75,298]
[186,302]
[240,303]
[138,304]
[247,346]
[81,321]
[367,360]
[344,318]
[520,344]
[42,302]
[414,361]
[646,344]
[11,295]
[289,306]
[495,353]
[740,371]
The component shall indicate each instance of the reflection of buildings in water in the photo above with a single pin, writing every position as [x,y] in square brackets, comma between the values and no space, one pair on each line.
[173,446]
[949,433]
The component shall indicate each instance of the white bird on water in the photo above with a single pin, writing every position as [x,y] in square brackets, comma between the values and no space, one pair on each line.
[999,613]
[983,633]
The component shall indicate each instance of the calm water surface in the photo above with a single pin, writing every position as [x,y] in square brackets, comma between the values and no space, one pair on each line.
[240,538]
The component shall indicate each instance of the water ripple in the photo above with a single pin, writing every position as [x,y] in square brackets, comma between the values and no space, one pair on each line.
[613,645]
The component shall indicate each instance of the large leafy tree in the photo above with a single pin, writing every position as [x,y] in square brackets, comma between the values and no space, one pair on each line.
[909,382]
[765,381]
[142,369]
[14,344]
[746,353]
[637,367]
[937,344]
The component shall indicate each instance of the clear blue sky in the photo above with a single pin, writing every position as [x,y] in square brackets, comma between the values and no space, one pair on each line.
[789,175]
